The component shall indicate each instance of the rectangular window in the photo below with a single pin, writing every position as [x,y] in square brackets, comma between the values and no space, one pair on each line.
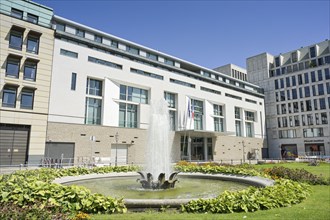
[282,94]
[16,39]
[97,38]
[313,132]
[32,18]
[319,74]
[237,113]
[30,71]
[296,120]
[288,95]
[144,73]
[306,78]
[313,78]
[320,89]
[249,116]
[303,120]
[322,103]
[27,96]
[287,79]
[73,81]
[294,57]
[279,122]
[80,33]
[312,52]
[114,44]
[218,124]
[198,113]
[251,101]
[172,120]
[302,109]
[17,13]
[276,84]
[238,128]
[127,115]
[132,50]
[69,53]
[9,96]
[317,120]
[169,62]
[293,79]
[210,90]
[315,104]
[93,111]
[233,96]
[60,27]
[152,56]
[328,87]
[300,79]
[320,61]
[301,93]
[12,67]
[309,105]
[283,70]
[277,62]
[284,122]
[249,129]
[327,73]
[313,90]
[32,44]
[217,110]
[104,62]
[133,94]
[283,108]
[170,98]
[179,82]
[94,87]
[294,67]
[295,107]
[301,66]
[324,118]
[294,94]
[282,83]
[307,91]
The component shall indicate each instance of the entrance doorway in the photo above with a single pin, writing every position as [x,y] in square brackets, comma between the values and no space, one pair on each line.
[196,148]
[314,149]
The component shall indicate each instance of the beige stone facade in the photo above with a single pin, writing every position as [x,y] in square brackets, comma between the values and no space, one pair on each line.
[35,117]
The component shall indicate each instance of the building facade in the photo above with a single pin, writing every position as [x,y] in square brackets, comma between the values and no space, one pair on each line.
[26,43]
[297,99]
[233,71]
[102,88]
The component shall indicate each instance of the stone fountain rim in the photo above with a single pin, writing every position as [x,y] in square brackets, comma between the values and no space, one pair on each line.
[157,203]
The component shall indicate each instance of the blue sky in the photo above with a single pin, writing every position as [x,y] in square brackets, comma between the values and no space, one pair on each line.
[209,33]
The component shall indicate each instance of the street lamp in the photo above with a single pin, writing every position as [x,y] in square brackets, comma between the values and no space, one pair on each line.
[243,151]
[116,158]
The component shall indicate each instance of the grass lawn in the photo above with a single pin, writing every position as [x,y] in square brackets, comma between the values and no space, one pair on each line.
[316,206]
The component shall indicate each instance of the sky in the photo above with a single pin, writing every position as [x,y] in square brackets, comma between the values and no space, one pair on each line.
[210,33]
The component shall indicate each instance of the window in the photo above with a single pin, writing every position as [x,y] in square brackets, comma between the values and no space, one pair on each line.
[152,56]
[210,90]
[309,119]
[27,96]
[313,78]
[295,67]
[60,27]
[303,120]
[283,70]
[294,57]
[9,96]
[249,129]
[172,119]
[320,61]
[319,73]
[301,66]
[313,132]
[294,94]
[276,84]
[277,62]
[30,71]
[94,87]
[127,115]
[282,94]
[307,91]
[285,122]
[32,18]
[198,113]
[249,116]
[93,111]
[293,79]
[320,89]
[288,94]
[282,83]
[283,108]
[317,120]
[217,110]
[97,38]
[238,128]
[73,81]
[170,98]
[32,44]
[80,33]
[218,124]
[295,107]
[133,94]
[144,73]
[327,59]
[327,73]
[322,103]
[328,87]
[69,53]
[104,62]
[16,39]
[312,52]
[324,118]
[296,120]
[287,81]
[237,113]
[301,93]
[300,79]
[314,90]
[169,62]
[279,122]
[315,104]
[302,106]
[179,82]
[132,50]
[17,13]
[306,78]
[12,67]
[114,44]
[233,96]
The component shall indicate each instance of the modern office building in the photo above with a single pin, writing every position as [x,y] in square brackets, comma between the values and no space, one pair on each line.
[102,88]
[26,51]
[297,99]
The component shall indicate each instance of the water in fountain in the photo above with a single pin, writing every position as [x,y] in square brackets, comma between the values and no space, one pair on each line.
[158,152]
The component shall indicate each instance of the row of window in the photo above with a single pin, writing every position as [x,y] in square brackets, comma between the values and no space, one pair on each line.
[309,77]
[307,133]
[302,106]
[16,40]
[306,120]
[13,67]
[304,92]
[29,17]
[299,67]
[9,97]
[212,76]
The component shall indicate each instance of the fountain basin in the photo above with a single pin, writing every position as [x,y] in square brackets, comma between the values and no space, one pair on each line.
[132,203]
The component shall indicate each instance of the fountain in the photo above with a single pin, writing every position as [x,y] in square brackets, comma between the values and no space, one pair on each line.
[158,152]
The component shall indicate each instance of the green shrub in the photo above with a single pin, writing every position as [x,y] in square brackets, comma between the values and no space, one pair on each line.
[300,175]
